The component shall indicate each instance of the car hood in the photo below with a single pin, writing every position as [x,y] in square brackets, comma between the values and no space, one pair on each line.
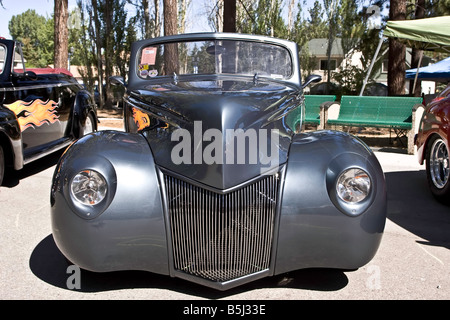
[218,133]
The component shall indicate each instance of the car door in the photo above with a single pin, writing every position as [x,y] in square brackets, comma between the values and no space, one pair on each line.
[36,103]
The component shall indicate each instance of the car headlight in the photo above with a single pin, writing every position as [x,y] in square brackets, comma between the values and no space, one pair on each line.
[353,185]
[89,187]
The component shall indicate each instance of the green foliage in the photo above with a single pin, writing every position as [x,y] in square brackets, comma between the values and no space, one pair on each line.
[433,8]
[330,19]
[104,40]
[356,36]
[346,20]
[36,34]
[350,79]
[120,37]
[262,17]
[76,46]
[307,29]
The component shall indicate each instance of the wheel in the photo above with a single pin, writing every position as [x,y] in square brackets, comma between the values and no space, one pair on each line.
[437,166]
[88,126]
[2,165]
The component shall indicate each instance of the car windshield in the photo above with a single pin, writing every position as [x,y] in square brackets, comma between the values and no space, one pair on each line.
[215,57]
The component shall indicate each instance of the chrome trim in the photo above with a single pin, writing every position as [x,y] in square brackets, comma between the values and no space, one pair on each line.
[47,151]
[40,86]
[294,79]
[439,164]
[221,236]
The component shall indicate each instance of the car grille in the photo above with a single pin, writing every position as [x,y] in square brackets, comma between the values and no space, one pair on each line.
[218,236]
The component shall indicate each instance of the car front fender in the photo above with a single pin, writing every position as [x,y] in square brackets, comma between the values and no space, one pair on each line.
[316,228]
[126,230]
[11,137]
[83,106]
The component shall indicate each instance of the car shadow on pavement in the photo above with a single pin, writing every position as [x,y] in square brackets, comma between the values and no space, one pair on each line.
[412,206]
[13,178]
[48,264]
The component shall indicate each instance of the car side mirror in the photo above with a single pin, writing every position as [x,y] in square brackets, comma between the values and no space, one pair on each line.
[312,78]
[118,81]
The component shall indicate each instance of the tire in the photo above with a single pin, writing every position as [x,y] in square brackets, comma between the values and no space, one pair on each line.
[89,125]
[2,165]
[437,167]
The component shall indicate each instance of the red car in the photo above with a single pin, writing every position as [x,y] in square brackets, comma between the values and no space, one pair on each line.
[432,144]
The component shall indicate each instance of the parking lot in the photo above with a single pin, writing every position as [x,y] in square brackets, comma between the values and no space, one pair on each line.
[413,261]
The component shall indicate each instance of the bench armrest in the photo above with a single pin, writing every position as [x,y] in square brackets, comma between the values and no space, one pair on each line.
[417,106]
[328,110]
[327,104]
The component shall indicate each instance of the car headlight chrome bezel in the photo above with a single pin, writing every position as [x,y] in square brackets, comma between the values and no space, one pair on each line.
[353,185]
[351,189]
[89,187]
[96,173]
[349,171]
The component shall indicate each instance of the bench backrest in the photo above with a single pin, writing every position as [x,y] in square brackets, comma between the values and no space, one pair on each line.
[360,108]
[312,104]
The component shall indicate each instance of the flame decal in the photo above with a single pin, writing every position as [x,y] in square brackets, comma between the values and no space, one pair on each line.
[34,113]
[141,119]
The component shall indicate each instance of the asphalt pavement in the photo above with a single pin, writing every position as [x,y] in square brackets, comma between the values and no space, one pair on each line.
[413,261]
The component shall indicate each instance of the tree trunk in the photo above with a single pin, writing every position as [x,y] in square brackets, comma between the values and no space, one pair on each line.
[170,28]
[291,17]
[147,30]
[61,37]
[86,49]
[109,38]
[170,17]
[229,16]
[98,45]
[157,19]
[397,52]
[332,17]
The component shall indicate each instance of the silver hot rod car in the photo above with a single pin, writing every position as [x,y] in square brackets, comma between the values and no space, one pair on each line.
[214,180]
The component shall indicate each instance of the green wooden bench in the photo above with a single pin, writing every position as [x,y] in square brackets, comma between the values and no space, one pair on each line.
[312,107]
[396,113]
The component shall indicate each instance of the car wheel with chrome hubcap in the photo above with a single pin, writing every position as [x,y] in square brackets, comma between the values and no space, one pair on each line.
[438,169]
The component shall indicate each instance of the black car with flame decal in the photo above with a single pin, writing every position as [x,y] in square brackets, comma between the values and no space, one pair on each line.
[41,111]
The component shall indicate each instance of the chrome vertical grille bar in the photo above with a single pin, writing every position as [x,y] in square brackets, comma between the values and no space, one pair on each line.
[218,236]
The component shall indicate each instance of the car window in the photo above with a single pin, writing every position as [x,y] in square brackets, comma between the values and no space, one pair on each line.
[215,57]
[2,57]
